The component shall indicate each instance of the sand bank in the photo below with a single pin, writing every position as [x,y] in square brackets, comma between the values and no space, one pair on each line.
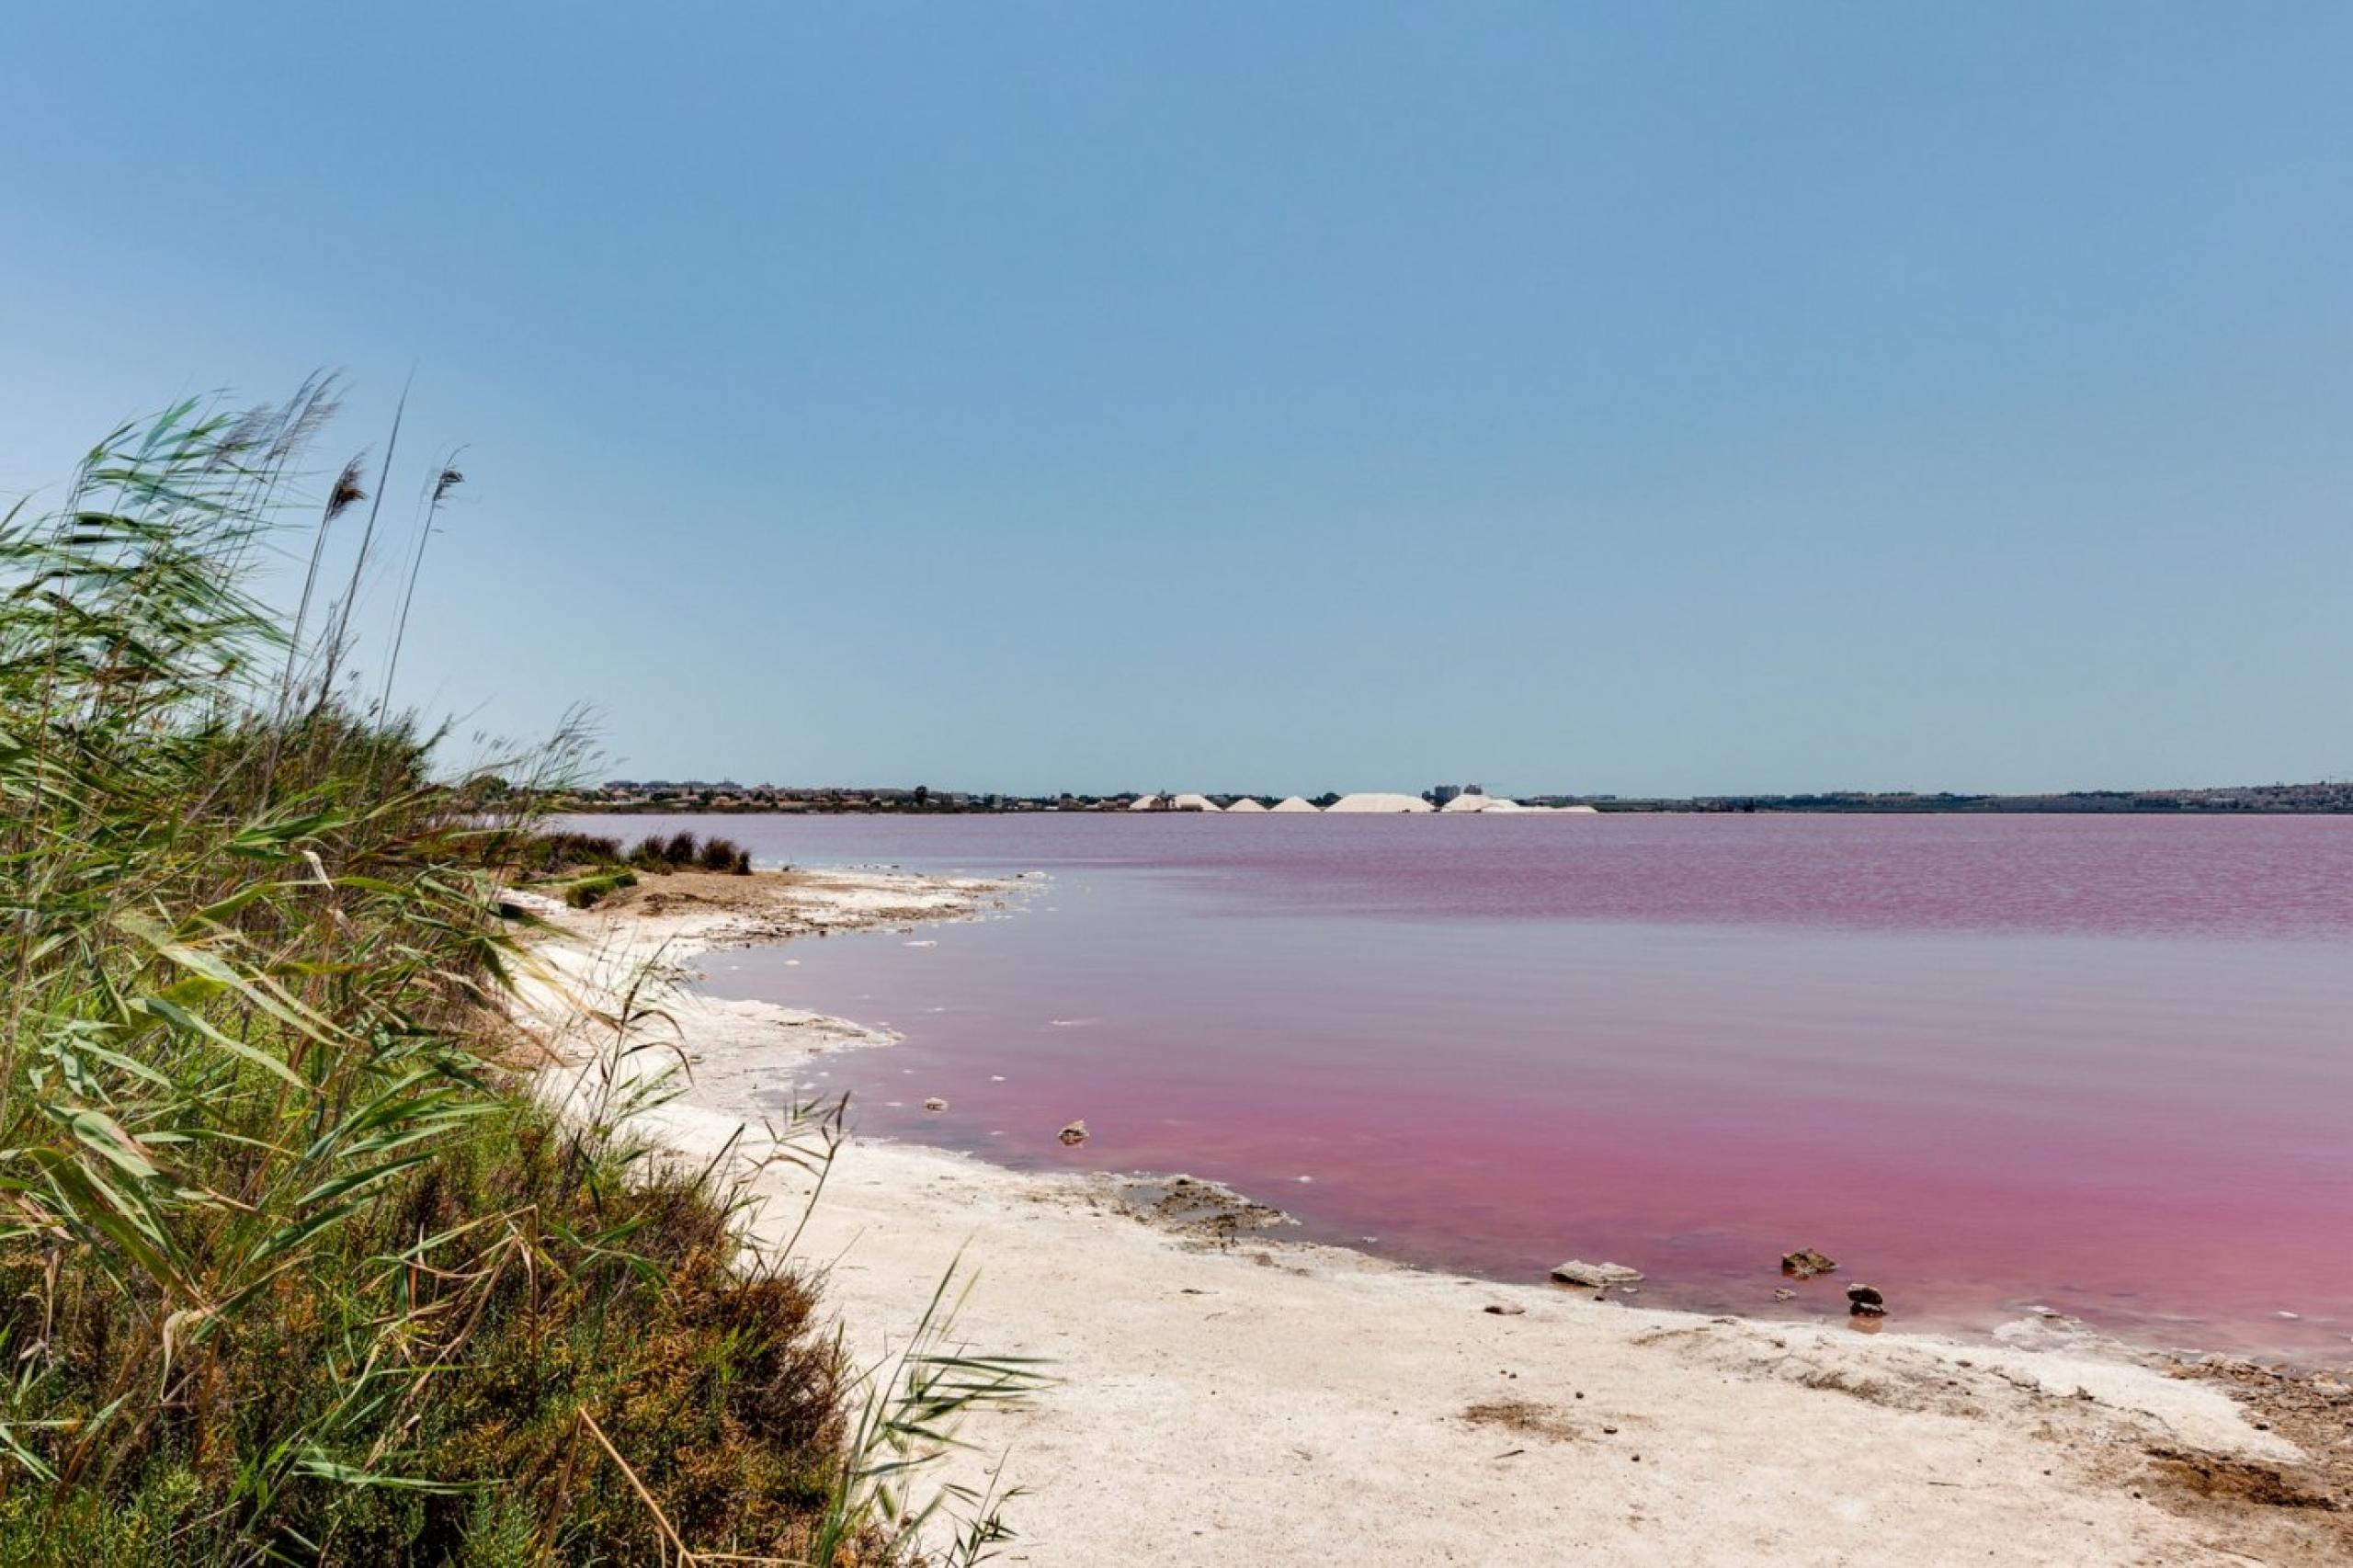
[1225,1398]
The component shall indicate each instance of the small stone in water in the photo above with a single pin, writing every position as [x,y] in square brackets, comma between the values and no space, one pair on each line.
[1805,1263]
[1073,1135]
[1596,1276]
[934,1103]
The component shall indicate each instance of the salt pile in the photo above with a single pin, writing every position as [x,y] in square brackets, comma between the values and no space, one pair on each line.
[1291,804]
[1374,802]
[1246,804]
[1192,803]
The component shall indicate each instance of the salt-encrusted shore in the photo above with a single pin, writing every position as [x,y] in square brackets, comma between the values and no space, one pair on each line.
[1224,1397]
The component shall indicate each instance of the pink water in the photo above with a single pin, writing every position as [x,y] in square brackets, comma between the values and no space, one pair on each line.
[2099,1065]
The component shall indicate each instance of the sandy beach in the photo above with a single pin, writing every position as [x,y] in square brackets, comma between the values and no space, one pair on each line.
[1222,1396]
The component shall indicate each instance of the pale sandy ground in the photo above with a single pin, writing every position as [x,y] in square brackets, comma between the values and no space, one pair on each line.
[1263,1403]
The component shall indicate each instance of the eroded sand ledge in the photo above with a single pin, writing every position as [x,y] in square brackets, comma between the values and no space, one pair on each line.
[1240,1400]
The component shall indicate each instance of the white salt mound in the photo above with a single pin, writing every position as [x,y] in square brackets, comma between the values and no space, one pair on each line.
[1292,803]
[1192,803]
[1470,804]
[1375,803]
[1144,803]
[1244,805]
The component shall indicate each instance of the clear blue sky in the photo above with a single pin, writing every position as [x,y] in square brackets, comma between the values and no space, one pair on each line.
[1567,396]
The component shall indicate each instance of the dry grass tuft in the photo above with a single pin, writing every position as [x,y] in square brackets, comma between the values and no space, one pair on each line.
[1523,1415]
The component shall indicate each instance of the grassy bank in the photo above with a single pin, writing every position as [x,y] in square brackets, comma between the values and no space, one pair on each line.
[290,1268]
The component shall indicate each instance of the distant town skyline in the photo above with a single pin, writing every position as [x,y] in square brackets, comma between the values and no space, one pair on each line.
[1678,402]
[660,795]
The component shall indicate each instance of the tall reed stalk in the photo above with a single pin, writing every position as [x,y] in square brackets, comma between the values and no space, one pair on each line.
[338,642]
[445,479]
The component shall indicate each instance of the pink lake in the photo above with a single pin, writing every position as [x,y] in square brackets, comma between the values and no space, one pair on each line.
[2099,1065]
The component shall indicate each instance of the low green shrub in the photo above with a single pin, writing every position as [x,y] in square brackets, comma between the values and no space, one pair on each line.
[584,893]
[290,1269]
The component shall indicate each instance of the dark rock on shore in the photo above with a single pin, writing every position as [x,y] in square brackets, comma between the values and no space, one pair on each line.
[1203,1211]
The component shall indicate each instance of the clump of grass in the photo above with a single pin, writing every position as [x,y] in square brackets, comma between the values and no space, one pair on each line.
[725,856]
[290,1270]
[683,851]
[545,854]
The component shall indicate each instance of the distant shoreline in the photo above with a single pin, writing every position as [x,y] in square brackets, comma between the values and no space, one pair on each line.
[2312,799]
